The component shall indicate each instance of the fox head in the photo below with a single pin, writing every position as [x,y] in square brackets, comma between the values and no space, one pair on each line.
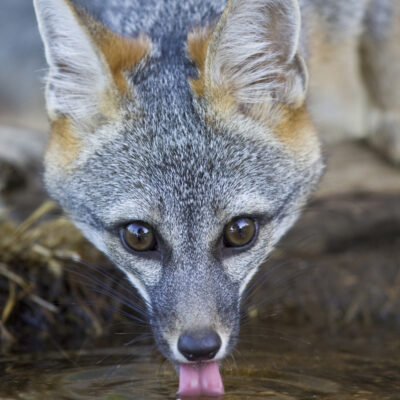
[183,155]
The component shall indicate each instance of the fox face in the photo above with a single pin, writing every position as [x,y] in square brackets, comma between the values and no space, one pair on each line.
[184,158]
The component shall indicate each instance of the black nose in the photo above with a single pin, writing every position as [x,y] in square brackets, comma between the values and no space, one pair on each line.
[199,346]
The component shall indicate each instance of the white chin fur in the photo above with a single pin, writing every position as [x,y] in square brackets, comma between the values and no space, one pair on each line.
[93,236]
[140,288]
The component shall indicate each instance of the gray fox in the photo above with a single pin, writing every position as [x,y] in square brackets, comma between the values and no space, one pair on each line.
[184,140]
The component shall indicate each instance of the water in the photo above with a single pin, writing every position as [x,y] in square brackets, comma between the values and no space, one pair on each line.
[271,367]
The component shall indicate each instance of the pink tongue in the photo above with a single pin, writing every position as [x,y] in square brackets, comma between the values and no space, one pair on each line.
[200,379]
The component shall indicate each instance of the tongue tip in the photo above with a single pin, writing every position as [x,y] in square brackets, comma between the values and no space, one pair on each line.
[199,391]
[200,379]
[193,392]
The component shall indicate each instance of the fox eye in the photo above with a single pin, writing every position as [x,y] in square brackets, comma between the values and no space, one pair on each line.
[239,232]
[138,236]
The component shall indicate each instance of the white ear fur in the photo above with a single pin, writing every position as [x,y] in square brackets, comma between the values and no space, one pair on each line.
[78,76]
[254,52]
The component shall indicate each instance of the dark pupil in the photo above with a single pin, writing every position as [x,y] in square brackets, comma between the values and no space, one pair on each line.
[139,237]
[240,232]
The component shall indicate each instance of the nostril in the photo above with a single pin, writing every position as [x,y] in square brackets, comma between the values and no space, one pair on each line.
[199,346]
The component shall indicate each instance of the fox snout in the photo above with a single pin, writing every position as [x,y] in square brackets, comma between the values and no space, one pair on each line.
[195,321]
[195,314]
[197,344]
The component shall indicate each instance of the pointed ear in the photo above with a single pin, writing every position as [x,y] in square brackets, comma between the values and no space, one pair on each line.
[87,63]
[253,53]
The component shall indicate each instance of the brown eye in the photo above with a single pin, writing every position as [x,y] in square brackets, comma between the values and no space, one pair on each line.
[138,236]
[239,232]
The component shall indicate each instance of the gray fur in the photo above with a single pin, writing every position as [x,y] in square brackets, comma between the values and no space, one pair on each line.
[187,178]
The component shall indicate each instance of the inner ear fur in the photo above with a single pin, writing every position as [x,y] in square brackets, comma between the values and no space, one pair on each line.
[122,54]
[252,55]
[87,63]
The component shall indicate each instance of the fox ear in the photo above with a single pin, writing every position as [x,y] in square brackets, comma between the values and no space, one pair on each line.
[86,62]
[78,77]
[253,52]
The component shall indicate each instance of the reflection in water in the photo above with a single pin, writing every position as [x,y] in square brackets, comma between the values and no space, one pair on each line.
[264,370]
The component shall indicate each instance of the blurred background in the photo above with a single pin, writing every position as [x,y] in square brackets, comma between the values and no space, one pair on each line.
[339,267]
[22,65]
[23,122]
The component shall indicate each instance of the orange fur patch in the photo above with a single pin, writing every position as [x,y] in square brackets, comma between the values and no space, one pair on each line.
[64,145]
[197,46]
[296,130]
[123,54]
[220,98]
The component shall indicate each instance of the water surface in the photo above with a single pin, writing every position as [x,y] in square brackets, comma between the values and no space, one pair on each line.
[271,367]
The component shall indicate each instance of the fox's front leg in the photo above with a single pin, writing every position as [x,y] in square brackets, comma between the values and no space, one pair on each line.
[381,68]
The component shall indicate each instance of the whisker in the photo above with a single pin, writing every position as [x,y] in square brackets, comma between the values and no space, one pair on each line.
[140,338]
[127,299]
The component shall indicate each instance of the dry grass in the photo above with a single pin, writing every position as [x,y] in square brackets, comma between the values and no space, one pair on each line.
[50,282]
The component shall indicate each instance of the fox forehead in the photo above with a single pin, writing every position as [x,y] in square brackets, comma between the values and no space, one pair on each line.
[191,169]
